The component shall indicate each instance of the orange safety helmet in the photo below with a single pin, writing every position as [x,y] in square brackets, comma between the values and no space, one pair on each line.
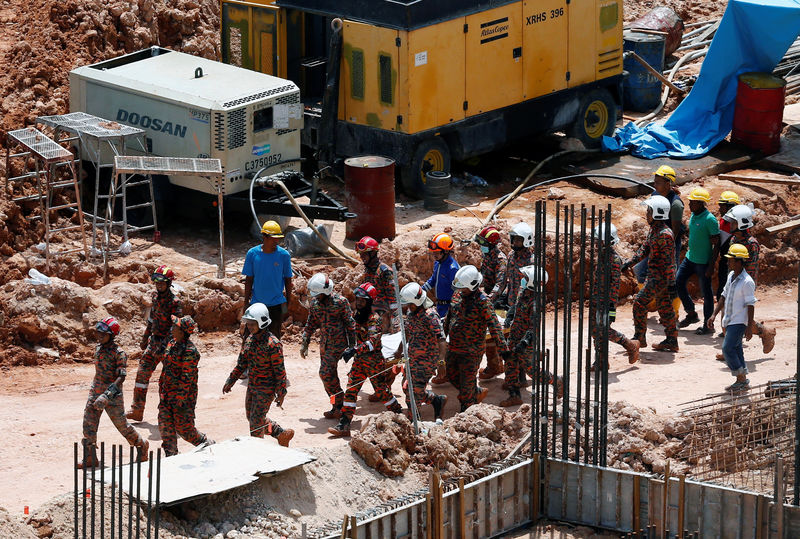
[366,244]
[488,235]
[440,242]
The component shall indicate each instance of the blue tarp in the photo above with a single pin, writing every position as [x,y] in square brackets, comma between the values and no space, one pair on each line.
[753,36]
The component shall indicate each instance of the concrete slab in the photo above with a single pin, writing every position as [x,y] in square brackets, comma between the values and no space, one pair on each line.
[215,468]
[788,159]
[724,158]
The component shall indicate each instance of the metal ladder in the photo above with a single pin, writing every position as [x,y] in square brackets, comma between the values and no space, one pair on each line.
[49,158]
[118,188]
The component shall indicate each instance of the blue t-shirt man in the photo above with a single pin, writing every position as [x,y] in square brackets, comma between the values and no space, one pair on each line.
[268,275]
[441,282]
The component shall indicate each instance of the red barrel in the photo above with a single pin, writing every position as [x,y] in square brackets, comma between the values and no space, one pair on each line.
[369,193]
[758,116]
[662,19]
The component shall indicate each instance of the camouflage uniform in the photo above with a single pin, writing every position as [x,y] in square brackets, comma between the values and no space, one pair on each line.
[468,320]
[164,307]
[516,261]
[754,248]
[613,299]
[177,389]
[334,318]
[423,333]
[493,269]
[660,246]
[382,277]
[367,363]
[521,329]
[262,354]
[109,363]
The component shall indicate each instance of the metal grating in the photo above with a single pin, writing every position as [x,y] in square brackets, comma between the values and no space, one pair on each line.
[87,124]
[260,95]
[357,74]
[40,144]
[385,74]
[219,131]
[284,131]
[237,128]
[134,164]
[288,99]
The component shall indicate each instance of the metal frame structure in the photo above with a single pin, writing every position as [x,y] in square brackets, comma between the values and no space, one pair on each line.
[209,169]
[101,141]
[49,156]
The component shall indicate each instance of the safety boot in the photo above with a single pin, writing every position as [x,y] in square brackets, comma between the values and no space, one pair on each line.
[90,459]
[642,340]
[438,405]
[135,414]
[513,400]
[632,348]
[342,429]
[494,364]
[284,437]
[767,338]
[483,391]
[670,344]
[394,407]
[334,413]
[143,451]
[689,319]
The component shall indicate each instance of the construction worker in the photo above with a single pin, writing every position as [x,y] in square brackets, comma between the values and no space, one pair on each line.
[727,200]
[467,322]
[493,269]
[426,345]
[368,362]
[521,335]
[664,185]
[262,355]
[377,272]
[741,220]
[331,314]
[660,284]
[738,306]
[441,282]
[268,275]
[700,259]
[177,389]
[110,364]
[521,242]
[156,336]
[606,316]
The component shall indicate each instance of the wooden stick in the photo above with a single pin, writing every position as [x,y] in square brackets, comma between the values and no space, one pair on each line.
[637,502]
[648,31]
[784,180]
[681,503]
[345,522]
[664,523]
[462,520]
[655,73]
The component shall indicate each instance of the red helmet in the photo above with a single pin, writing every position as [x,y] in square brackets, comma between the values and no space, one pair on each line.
[366,244]
[108,325]
[488,234]
[440,242]
[366,291]
[163,273]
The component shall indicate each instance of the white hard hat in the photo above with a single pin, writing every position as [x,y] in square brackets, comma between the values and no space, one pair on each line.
[319,284]
[413,294]
[599,233]
[660,206]
[259,313]
[468,277]
[524,231]
[742,215]
[531,273]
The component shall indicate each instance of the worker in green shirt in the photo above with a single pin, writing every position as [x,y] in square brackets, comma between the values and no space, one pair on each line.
[700,260]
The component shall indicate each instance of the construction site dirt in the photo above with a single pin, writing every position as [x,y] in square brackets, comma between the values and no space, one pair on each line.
[46,332]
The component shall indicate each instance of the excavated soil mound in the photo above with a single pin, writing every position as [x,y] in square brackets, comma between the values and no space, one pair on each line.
[11,526]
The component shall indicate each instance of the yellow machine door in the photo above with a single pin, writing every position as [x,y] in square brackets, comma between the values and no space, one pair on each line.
[582,41]
[494,59]
[236,35]
[544,55]
[250,36]
[265,39]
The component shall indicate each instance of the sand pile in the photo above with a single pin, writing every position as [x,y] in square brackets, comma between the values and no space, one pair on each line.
[11,526]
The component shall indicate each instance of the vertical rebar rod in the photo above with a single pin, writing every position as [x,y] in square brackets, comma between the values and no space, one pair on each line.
[113,488]
[75,472]
[535,336]
[546,393]
[93,493]
[102,487]
[545,352]
[120,505]
[554,372]
[149,490]
[83,492]
[581,299]
[130,494]
[796,489]
[606,296]
[138,495]
[567,336]
[590,326]
[158,492]
[597,376]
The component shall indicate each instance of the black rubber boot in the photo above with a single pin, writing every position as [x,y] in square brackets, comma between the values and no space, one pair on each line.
[438,405]
[342,429]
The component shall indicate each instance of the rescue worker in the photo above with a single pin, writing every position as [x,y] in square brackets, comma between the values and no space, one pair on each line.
[660,284]
[156,336]
[110,364]
[368,362]
[331,314]
[521,243]
[426,345]
[377,273]
[493,269]
[741,220]
[607,316]
[738,307]
[177,389]
[521,336]
[664,185]
[700,259]
[262,355]
[468,320]
[727,200]
[441,282]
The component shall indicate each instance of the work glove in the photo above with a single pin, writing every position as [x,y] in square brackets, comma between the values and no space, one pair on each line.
[521,346]
[304,349]
[111,392]
[348,354]
[625,266]
[506,355]
[510,317]
[672,291]
[612,313]
[228,386]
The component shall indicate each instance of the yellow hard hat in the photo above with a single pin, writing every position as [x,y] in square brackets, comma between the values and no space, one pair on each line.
[737,250]
[698,193]
[729,197]
[271,228]
[666,172]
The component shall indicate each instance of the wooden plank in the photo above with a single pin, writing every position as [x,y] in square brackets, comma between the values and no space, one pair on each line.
[790,225]
[763,177]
